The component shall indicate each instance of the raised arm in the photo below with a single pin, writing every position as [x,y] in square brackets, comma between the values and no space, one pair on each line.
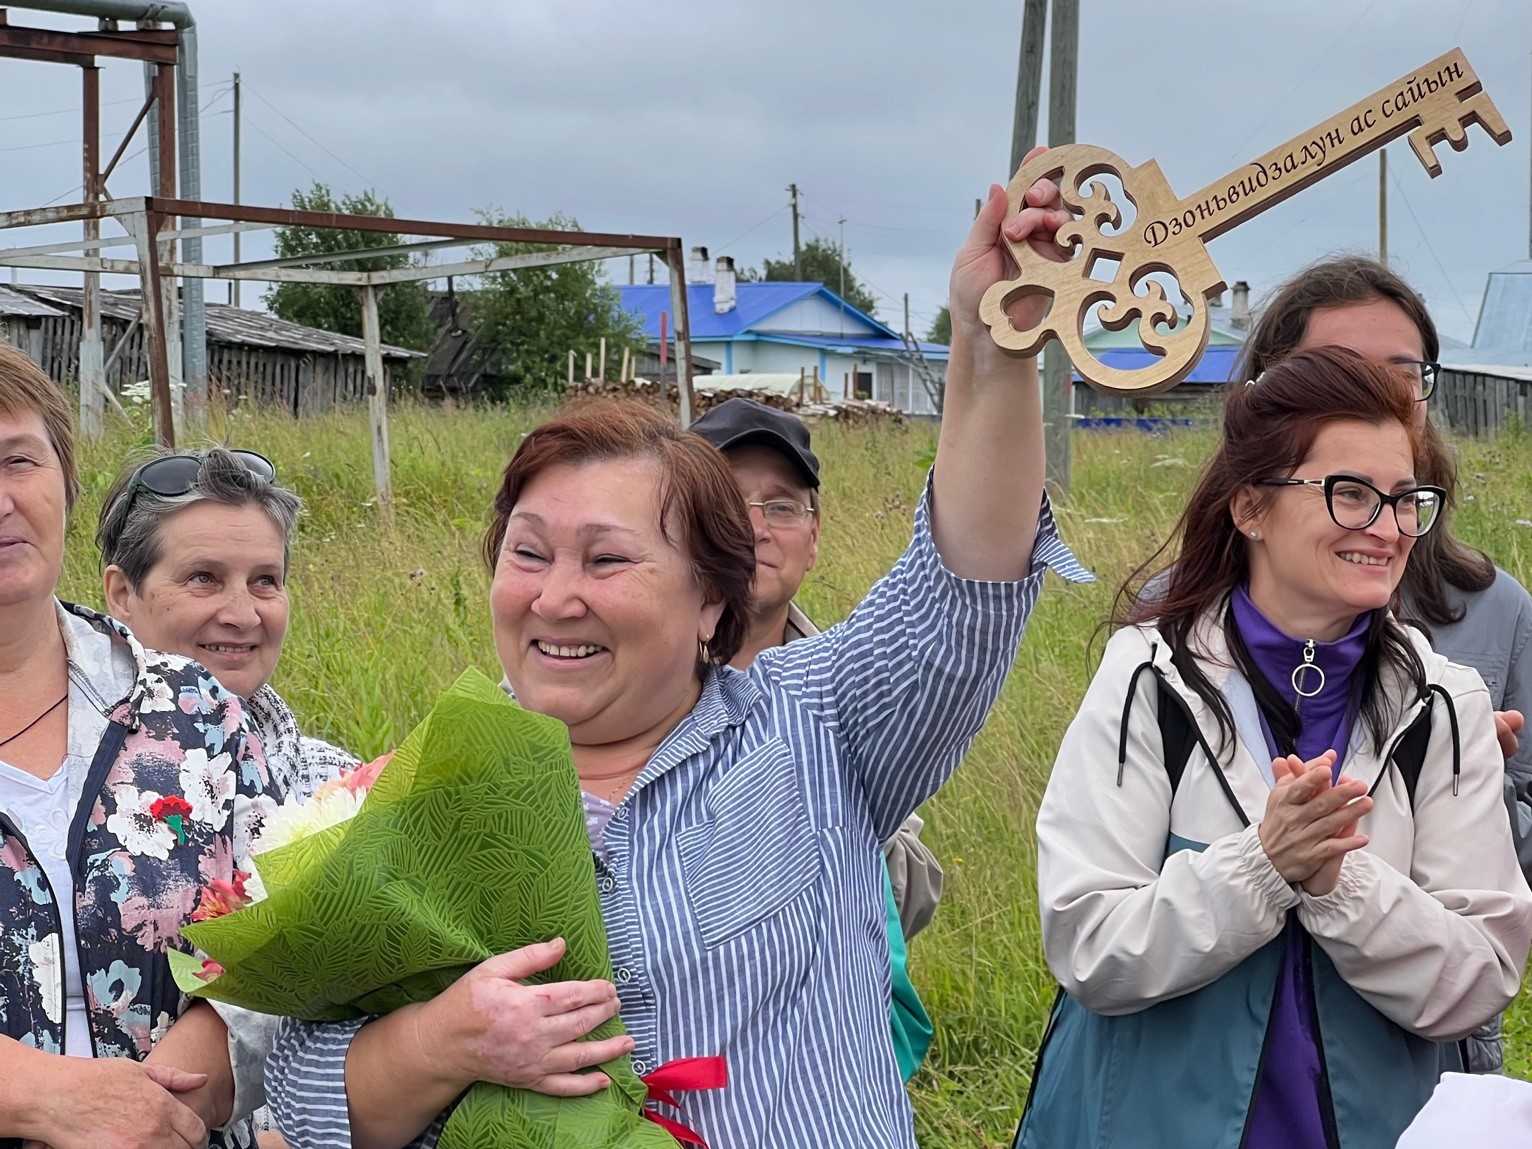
[989,462]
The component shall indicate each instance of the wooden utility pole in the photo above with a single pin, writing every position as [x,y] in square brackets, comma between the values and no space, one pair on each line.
[797,251]
[1029,81]
[1063,61]
[1383,206]
[234,283]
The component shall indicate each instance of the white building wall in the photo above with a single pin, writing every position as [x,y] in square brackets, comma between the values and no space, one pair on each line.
[815,316]
[892,382]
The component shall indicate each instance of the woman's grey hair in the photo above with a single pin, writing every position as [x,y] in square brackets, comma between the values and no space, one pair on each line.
[128,533]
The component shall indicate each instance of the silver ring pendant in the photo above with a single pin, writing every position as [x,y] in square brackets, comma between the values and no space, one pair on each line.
[1300,673]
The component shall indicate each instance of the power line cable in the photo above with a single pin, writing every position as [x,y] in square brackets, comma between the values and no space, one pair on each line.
[299,129]
[275,143]
[64,111]
[1335,43]
[1427,239]
[756,228]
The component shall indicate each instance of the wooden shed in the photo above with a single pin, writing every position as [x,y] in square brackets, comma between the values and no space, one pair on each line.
[21,321]
[250,354]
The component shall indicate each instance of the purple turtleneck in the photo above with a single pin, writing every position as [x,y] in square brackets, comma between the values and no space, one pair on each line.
[1286,1107]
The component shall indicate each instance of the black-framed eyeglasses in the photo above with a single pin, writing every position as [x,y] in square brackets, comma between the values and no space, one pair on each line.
[173,475]
[1424,370]
[783,513]
[1355,503]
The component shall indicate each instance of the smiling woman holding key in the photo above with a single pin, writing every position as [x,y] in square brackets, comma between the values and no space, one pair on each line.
[1251,854]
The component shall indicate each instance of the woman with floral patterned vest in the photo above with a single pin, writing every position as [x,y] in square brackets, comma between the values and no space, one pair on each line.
[128,782]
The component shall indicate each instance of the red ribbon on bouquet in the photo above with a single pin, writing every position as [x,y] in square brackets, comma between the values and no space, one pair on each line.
[681,1076]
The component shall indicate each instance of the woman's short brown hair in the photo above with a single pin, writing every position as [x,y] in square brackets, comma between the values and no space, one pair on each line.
[25,390]
[702,512]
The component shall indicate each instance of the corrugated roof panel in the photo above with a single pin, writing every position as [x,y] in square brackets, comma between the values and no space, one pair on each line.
[227,324]
[16,304]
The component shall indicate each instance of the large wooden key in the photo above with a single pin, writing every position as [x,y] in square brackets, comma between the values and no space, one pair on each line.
[1432,104]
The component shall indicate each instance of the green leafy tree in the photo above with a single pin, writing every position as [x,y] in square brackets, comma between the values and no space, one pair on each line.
[404,309]
[822,262]
[941,327]
[535,316]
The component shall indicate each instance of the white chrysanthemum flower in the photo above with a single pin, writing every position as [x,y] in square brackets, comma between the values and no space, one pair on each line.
[293,820]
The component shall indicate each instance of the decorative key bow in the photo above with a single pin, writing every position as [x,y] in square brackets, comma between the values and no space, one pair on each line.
[1432,104]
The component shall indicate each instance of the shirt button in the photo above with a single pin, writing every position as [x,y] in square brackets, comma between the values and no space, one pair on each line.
[622,813]
[607,885]
[624,975]
[640,1066]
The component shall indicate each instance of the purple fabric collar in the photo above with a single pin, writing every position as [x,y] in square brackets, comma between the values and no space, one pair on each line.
[1325,718]
[1286,1111]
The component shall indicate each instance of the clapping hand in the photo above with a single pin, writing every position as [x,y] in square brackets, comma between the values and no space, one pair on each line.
[1310,824]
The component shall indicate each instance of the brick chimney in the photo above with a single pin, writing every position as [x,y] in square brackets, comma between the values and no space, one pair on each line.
[698,269]
[723,285]
[1239,307]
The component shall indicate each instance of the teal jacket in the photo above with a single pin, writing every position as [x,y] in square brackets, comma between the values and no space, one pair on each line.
[1187,1067]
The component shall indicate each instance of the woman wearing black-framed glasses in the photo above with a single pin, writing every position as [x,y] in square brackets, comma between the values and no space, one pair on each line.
[1475,613]
[1253,844]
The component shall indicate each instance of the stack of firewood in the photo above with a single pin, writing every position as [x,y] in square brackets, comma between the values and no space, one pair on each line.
[850,412]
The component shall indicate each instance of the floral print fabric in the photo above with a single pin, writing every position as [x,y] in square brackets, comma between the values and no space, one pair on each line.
[154,735]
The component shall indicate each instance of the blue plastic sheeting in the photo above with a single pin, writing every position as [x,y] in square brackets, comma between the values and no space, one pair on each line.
[1150,424]
[1215,366]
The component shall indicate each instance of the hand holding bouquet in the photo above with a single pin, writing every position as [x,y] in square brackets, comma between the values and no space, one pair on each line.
[390,884]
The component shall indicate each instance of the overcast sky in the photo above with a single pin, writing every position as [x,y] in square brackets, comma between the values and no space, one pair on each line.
[691,119]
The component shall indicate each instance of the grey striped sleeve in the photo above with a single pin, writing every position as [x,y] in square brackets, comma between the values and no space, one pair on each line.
[306,1086]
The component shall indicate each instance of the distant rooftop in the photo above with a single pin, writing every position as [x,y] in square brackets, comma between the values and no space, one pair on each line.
[1505,315]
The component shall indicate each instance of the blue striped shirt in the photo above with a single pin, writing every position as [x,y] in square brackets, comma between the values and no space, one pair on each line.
[743,886]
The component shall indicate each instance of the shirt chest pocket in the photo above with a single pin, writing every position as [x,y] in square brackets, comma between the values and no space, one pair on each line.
[755,852]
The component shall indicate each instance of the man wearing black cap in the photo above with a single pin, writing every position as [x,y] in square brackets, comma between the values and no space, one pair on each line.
[779,476]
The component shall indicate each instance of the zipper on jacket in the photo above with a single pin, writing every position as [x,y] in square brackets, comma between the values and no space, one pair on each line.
[9,827]
[1260,1066]
[1326,1100]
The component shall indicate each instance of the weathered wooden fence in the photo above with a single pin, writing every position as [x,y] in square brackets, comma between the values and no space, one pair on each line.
[1479,404]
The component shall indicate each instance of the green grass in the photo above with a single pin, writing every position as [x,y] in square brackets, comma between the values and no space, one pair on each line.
[387,611]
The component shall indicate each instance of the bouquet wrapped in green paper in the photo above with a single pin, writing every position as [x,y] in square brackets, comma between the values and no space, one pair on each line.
[470,842]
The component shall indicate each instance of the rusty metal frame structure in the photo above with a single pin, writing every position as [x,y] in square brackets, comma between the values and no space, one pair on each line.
[151,47]
[152,225]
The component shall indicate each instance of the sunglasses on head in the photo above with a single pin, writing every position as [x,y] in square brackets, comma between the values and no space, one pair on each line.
[173,475]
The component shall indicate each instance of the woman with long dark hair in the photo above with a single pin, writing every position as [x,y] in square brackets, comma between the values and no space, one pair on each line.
[1274,862]
[1473,612]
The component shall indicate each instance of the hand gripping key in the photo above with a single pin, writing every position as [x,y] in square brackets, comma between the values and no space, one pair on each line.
[1432,104]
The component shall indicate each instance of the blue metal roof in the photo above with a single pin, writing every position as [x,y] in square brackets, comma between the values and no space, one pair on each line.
[1216,365]
[754,302]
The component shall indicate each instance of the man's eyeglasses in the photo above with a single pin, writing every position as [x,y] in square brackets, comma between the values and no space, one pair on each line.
[1424,370]
[1355,503]
[172,475]
[783,514]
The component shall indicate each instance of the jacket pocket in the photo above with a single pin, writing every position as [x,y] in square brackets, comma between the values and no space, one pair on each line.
[755,852]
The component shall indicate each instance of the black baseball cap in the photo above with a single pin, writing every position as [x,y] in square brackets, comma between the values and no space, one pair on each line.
[736,422]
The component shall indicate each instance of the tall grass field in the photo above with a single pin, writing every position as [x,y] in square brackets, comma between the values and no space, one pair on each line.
[389,607]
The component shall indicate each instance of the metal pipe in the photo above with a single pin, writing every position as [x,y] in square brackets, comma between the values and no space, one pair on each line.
[178,16]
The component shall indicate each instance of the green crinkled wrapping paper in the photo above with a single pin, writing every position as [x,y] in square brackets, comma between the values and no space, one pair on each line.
[472,842]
